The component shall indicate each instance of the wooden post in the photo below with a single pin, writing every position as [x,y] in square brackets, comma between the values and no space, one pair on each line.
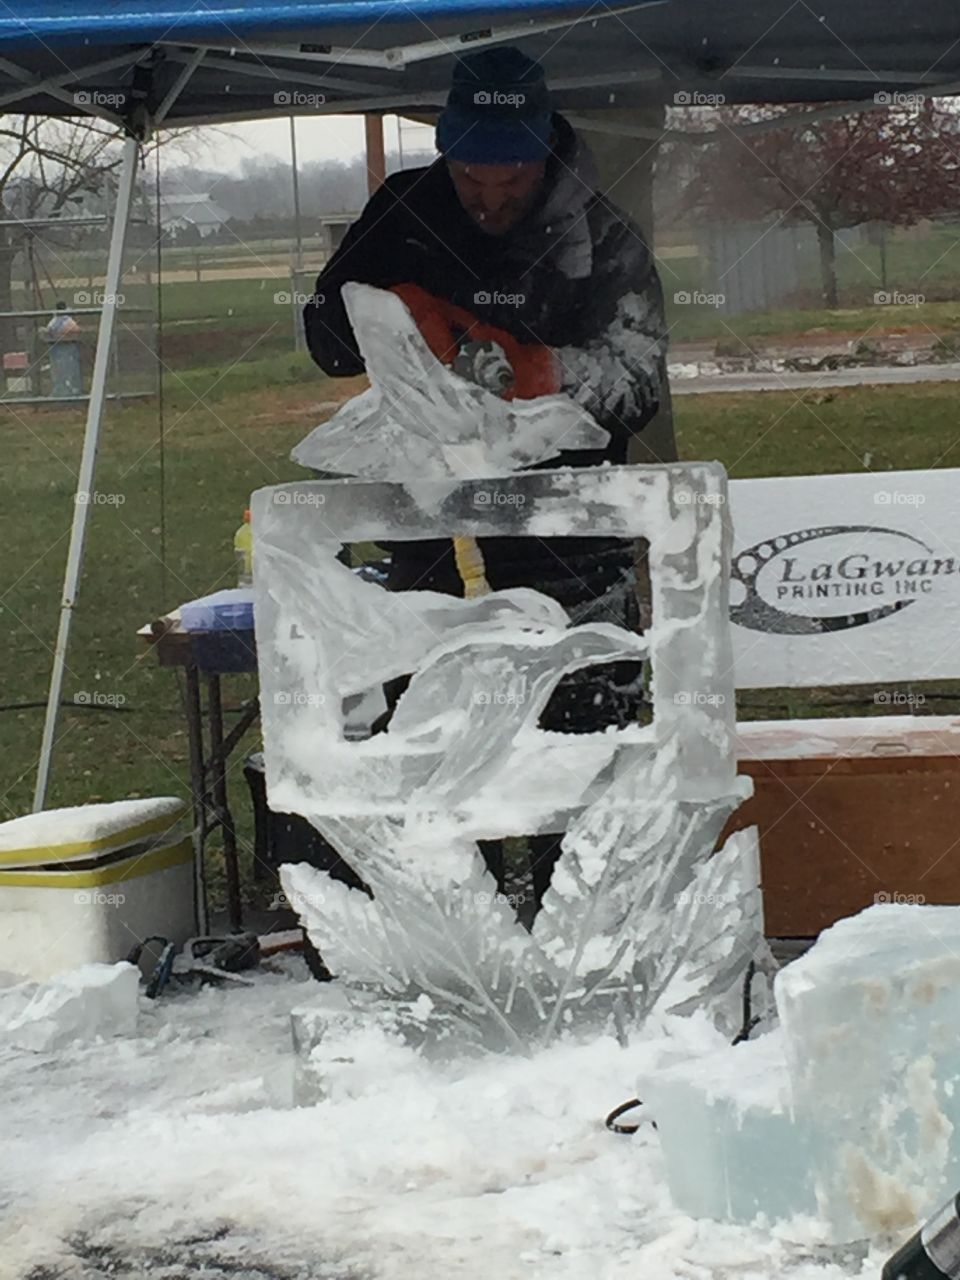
[376,153]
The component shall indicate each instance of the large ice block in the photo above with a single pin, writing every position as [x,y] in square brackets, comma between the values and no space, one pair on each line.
[730,1146]
[871,1016]
[851,1111]
[81,1004]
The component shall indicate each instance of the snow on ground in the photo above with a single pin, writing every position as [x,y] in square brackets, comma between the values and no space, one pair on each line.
[176,1153]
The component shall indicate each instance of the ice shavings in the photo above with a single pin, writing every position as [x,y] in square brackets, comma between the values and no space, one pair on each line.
[182,1155]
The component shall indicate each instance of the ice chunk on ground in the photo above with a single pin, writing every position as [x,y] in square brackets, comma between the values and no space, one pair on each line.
[729,1142]
[870,1015]
[83,1004]
[852,1111]
[419,419]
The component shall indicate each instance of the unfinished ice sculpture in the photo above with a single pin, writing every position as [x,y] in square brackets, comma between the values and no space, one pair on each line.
[850,1111]
[420,419]
[636,901]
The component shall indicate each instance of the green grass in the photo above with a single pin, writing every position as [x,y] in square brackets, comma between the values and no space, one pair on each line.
[217,450]
[814,433]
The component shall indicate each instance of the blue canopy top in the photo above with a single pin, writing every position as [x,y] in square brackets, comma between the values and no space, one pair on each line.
[224,59]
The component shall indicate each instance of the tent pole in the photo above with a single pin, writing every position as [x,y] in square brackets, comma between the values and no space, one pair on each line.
[88,460]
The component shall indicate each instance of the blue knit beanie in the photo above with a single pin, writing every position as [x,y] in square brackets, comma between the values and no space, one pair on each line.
[498,110]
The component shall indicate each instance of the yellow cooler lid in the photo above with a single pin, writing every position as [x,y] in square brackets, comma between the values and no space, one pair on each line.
[86,831]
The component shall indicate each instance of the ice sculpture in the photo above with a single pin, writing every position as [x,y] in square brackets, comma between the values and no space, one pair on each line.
[637,905]
[420,419]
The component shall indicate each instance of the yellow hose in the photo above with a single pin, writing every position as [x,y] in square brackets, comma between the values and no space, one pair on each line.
[470,566]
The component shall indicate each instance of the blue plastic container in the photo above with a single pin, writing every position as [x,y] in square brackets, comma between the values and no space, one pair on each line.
[229,610]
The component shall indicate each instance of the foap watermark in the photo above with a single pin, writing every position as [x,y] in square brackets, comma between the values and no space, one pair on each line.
[498,498]
[485,899]
[698,698]
[297,98]
[697,298]
[901,899]
[297,698]
[88,498]
[497,98]
[690,498]
[499,698]
[894,98]
[298,498]
[296,901]
[98,698]
[483,298]
[689,897]
[898,498]
[898,698]
[896,298]
[286,298]
[98,98]
[96,298]
[694,98]
[98,898]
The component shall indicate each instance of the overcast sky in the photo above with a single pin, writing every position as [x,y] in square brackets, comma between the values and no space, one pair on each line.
[326,138]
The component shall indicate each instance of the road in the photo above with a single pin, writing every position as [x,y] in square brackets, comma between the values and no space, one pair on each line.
[868,376]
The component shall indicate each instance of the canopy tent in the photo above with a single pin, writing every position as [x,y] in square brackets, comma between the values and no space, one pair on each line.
[145,63]
[224,60]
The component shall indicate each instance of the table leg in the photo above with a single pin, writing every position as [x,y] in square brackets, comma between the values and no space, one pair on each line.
[218,766]
[198,791]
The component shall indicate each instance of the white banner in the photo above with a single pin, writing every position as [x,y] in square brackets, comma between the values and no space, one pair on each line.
[846,579]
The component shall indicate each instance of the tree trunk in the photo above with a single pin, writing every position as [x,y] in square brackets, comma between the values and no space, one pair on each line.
[828,265]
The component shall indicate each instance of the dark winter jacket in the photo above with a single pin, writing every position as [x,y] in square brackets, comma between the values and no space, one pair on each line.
[575,275]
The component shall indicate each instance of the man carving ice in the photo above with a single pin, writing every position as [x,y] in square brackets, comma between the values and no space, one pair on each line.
[521,276]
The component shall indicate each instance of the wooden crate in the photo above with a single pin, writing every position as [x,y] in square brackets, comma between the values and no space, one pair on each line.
[849,811]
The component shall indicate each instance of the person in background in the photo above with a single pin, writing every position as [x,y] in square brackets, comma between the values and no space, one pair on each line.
[521,274]
[63,334]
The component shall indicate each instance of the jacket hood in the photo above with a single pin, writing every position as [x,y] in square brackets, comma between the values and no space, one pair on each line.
[573,180]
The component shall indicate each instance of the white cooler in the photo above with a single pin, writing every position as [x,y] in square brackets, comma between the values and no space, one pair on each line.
[88,883]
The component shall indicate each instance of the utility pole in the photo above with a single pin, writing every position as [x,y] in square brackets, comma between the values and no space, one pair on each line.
[298,263]
[376,152]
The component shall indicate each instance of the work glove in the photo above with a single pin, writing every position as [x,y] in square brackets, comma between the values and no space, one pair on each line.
[484,352]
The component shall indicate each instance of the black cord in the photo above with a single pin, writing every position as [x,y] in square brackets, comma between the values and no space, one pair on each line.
[69,704]
[65,703]
[617,1112]
[749,1022]
[747,1025]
